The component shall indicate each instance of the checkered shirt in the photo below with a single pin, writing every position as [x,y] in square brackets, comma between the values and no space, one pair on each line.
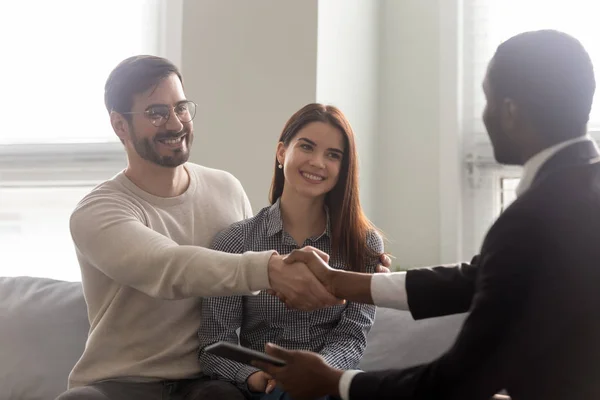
[338,334]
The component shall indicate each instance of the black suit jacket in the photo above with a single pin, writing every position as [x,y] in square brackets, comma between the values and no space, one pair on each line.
[533,294]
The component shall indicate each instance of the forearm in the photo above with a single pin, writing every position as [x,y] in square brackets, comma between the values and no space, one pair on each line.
[426,292]
[442,290]
[110,234]
[118,244]
[352,286]
[187,271]
[384,290]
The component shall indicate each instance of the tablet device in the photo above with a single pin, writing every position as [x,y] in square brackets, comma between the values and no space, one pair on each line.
[241,354]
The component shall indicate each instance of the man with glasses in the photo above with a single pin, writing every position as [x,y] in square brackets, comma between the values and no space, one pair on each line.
[141,239]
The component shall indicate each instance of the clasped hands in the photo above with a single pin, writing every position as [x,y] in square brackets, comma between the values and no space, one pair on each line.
[303,279]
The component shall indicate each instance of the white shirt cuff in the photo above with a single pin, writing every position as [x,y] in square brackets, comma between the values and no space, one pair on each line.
[389,290]
[345,382]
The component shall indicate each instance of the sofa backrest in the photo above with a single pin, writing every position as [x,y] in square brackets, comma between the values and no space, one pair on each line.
[396,340]
[43,328]
[44,325]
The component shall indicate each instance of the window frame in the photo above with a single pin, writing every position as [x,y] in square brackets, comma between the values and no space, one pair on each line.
[501,191]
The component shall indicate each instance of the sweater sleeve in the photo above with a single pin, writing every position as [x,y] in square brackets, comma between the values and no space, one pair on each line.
[109,232]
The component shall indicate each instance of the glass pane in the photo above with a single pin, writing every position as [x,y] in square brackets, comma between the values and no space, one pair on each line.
[57,60]
[508,187]
[496,21]
[34,232]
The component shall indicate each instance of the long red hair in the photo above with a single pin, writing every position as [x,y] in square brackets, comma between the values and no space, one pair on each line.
[349,225]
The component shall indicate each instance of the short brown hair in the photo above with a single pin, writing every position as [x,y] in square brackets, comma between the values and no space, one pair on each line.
[135,75]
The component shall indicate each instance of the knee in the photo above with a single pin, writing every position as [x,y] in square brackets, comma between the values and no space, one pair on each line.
[82,393]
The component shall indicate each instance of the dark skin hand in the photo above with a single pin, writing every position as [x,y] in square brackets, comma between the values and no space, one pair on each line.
[306,375]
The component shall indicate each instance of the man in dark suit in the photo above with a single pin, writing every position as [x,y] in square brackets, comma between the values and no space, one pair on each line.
[533,293]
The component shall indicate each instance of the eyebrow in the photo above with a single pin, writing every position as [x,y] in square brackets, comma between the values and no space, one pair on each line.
[162,104]
[314,144]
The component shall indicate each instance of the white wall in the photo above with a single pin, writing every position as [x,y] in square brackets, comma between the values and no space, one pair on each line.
[249,65]
[347,77]
[388,64]
[451,145]
[408,178]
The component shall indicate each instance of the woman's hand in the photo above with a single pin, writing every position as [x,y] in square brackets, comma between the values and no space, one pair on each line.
[386,263]
[261,382]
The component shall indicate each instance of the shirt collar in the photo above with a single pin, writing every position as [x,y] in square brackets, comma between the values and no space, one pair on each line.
[275,222]
[533,165]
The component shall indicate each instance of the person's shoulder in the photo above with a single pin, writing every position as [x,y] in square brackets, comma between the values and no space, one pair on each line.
[237,234]
[108,192]
[106,196]
[375,241]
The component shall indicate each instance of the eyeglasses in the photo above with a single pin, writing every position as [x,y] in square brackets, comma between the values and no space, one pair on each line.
[159,114]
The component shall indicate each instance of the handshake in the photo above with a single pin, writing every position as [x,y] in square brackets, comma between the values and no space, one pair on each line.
[304,280]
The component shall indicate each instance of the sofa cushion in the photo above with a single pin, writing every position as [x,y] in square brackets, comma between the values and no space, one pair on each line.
[43,329]
[396,340]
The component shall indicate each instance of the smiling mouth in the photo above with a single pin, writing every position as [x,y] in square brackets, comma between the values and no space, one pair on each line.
[312,177]
[172,141]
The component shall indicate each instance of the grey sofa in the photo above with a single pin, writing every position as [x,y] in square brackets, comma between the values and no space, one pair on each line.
[43,327]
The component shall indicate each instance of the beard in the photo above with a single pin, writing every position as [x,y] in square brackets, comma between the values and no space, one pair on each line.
[505,152]
[147,148]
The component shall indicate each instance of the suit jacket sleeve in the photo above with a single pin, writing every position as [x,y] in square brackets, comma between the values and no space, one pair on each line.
[443,290]
[480,361]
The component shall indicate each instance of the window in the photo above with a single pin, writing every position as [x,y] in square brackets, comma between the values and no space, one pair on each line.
[35,234]
[487,23]
[62,54]
[508,192]
[489,187]
[56,142]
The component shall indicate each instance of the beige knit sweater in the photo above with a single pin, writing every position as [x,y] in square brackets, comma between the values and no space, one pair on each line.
[145,266]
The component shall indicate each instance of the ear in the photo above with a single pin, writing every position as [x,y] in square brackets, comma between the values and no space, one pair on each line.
[119,125]
[510,114]
[280,153]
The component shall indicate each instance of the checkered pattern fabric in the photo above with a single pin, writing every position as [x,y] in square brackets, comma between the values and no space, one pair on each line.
[338,333]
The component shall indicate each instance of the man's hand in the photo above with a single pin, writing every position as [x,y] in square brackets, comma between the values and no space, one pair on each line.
[384,267]
[316,260]
[261,382]
[305,376]
[295,283]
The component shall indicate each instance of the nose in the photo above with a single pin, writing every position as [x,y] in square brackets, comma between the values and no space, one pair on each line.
[174,124]
[317,161]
